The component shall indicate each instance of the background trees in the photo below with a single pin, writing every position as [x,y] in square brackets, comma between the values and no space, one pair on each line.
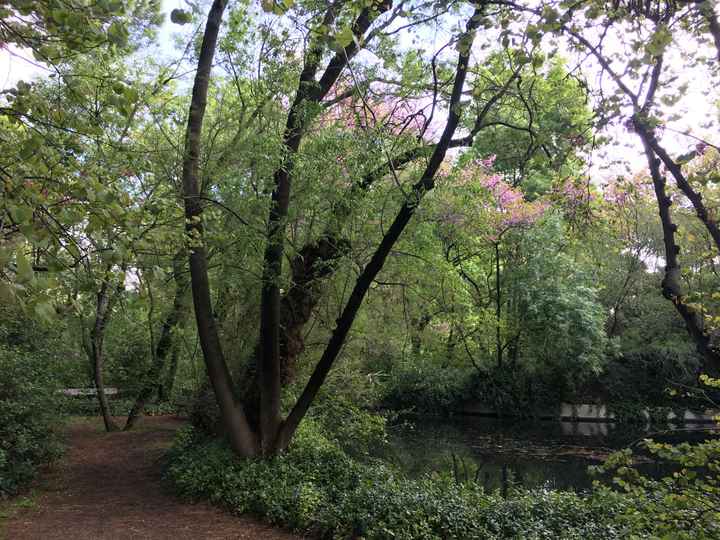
[361,189]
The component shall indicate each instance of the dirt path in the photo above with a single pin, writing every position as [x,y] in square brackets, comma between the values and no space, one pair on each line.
[108,486]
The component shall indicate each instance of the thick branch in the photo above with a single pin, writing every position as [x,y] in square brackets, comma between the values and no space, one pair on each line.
[671,284]
[308,92]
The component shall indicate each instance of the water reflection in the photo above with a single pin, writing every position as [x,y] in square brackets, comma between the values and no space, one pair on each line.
[499,452]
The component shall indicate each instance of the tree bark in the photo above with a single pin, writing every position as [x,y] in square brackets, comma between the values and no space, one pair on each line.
[308,91]
[672,285]
[310,267]
[649,139]
[167,383]
[242,439]
[417,328]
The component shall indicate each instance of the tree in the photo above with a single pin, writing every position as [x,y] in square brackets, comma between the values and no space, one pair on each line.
[273,435]
[650,29]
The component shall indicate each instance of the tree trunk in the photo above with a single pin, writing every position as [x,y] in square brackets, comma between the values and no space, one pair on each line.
[498,308]
[167,382]
[165,345]
[241,437]
[309,91]
[362,285]
[103,309]
[703,214]
[672,285]
[417,327]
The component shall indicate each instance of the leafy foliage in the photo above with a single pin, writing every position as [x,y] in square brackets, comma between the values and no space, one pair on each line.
[685,505]
[316,488]
[29,411]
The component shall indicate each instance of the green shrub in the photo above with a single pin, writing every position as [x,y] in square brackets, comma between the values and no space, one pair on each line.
[29,417]
[684,505]
[425,387]
[317,488]
[358,432]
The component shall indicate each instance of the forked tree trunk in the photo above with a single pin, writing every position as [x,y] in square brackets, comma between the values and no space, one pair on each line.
[672,288]
[309,91]
[377,261]
[274,435]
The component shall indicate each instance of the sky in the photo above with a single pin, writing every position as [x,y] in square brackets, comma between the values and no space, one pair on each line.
[19,65]
[16,65]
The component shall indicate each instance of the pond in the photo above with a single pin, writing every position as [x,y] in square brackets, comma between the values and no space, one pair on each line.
[532,454]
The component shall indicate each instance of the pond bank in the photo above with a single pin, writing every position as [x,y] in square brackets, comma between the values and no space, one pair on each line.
[601,413]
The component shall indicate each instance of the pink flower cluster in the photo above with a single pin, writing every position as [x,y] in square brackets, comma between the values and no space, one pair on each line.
[574,194]
[393,114]
[507,207]
[627,191]
[501,208]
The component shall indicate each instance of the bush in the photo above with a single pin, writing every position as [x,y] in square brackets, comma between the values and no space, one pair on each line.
[425,387]
[317,488]
[29,417]
[685,505]
[357,432]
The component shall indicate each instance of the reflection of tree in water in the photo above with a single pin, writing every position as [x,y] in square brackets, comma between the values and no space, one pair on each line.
[498,455]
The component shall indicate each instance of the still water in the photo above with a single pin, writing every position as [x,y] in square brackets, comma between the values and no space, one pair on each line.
[496,452]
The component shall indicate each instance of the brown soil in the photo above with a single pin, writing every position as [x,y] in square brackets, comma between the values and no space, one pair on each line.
[108,486]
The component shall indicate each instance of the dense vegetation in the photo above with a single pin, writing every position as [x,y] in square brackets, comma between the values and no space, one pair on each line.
[305,210]
[315,487]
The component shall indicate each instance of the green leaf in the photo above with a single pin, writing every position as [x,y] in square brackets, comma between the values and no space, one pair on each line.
[344,37]
[180,16]
[7,292]
[45,310]
[21,213]
[23,267]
